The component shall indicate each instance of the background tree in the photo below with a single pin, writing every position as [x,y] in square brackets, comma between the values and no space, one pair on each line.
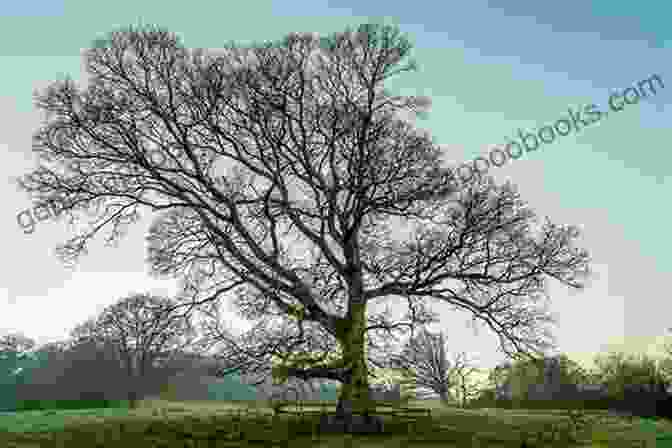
[634,383]
[551,377]
[320,171]
[498,377]
[146,333]
[424,359]
[426,364]
[571,371]
[620,372]
[665,361]
[467,386]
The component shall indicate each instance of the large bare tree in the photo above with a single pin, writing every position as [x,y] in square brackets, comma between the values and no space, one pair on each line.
[145,331]
[330,201]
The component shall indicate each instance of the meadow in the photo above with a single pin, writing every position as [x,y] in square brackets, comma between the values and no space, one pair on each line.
[238,424]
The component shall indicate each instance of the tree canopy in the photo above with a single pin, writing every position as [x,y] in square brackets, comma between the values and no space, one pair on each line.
[301,231]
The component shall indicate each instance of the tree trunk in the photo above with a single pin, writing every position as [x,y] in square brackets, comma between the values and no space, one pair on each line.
[132,384]
[354,396]
[133,399]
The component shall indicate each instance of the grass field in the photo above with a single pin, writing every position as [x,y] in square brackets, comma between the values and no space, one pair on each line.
[229,424]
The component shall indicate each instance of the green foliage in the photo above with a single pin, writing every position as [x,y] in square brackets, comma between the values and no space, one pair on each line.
[523,373]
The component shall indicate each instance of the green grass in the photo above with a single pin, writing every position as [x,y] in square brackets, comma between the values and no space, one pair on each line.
[230,424]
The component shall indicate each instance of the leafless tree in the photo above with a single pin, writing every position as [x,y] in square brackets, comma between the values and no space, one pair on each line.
[425,361]
[321,172]
[146,332]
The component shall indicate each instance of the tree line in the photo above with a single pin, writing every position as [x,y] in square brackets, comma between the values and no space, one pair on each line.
[135,346]
[631,382]
[127,351]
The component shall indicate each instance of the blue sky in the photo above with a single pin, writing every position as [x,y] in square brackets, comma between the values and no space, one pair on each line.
[491,68]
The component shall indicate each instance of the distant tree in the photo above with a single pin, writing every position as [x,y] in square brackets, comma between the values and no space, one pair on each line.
[467,386]
[552,376]
[636,383]
[424,360]
[665,361]
[498,376]
[621,372]
[145,331]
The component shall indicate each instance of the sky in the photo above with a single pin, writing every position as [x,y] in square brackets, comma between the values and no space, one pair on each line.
[491,68]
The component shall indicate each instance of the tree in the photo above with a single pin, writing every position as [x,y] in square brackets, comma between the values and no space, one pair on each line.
[620,372]
[665,361]
[513,379]
[145,331]
[467,386]
[499,374]
[551,377]
[300,229]
[636,384]
[426,363]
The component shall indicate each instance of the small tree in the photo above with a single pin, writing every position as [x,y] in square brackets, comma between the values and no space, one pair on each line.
[467,386]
